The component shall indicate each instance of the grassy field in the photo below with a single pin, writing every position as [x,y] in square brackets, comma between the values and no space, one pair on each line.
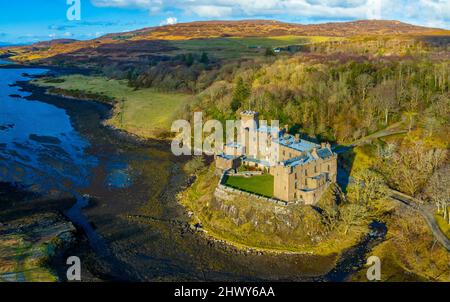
[143,112]
[235,47]
[261,185]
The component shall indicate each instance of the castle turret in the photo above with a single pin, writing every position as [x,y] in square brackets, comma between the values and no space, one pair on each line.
[249,128]
[248,117]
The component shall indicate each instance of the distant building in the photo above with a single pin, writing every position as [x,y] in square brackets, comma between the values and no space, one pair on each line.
[302,170]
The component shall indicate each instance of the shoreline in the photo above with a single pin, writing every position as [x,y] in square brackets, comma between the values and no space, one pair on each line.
[36,93]
[39,93]
[213,236]
[340,271]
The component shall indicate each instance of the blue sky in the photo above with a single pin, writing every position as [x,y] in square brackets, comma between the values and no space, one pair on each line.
[24,21]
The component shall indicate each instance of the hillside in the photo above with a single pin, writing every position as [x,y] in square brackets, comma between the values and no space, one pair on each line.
[263,28]
[228,38]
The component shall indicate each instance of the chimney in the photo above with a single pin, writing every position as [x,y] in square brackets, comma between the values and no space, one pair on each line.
[286,128]
[323,145]
[314,153]
[297,138]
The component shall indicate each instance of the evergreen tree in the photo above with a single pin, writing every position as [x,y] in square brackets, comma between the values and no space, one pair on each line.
[241,93]
[204,59]
[269,52]
[189,60]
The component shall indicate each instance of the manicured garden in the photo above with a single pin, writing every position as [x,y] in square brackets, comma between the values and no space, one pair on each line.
[260,185]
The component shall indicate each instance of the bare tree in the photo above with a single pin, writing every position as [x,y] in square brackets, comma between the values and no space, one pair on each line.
[438,191]
[411,166]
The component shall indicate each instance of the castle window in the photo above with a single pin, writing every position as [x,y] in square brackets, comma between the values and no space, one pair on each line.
[329,169]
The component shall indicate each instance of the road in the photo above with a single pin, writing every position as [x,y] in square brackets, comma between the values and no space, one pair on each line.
[415,204]
[426,213]
[391,130]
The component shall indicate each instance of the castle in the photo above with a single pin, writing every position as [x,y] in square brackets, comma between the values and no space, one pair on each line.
[302,169]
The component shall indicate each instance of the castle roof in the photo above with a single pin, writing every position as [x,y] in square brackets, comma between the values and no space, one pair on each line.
[301,145]
[306,147]
[299,160]
[324,153]
[270,130]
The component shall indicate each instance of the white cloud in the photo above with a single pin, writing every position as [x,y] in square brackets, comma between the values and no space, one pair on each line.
[169,21]
[211,11]
[421,11]
[225,8]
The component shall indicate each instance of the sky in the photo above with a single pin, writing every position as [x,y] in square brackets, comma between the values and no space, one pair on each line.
[26,21]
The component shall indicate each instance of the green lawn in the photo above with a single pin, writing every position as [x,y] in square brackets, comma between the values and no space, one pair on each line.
[144,112]
[235,47]
[261,185]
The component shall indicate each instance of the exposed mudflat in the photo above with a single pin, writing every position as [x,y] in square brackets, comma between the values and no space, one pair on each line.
[123,199]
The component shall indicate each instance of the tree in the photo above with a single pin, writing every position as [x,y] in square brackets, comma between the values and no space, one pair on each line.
[352,215]
[189,60]
[363,82]
[241,93]
[410,115]
[368,187]
[384,97]
[438,191]
[204,59]
[269,52]
[410,167]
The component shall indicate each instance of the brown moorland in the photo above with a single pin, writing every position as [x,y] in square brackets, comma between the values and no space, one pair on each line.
[209,30]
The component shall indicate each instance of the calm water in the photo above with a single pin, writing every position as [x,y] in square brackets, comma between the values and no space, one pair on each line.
[38,139]
[40,148]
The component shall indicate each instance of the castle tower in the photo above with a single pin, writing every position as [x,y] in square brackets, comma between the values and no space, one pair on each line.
[249,128]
